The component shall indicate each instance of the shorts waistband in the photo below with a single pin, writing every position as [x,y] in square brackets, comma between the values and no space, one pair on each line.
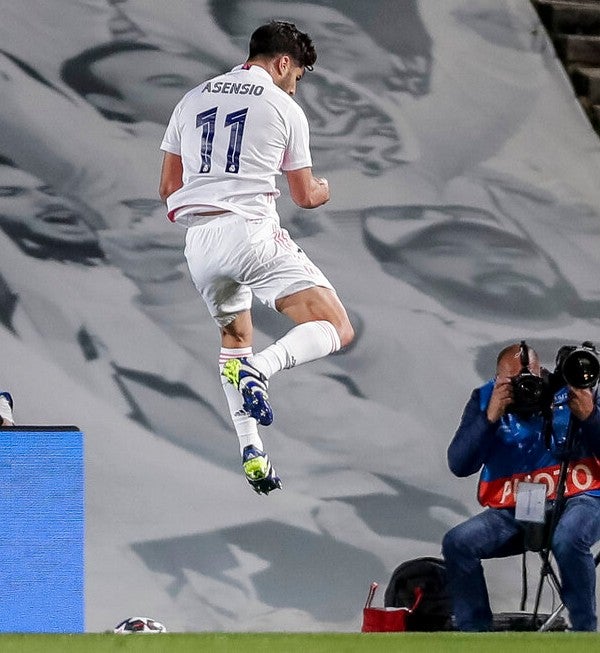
[199,219]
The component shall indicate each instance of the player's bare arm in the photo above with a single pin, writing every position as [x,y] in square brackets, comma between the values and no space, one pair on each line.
[171,175]
[307,191]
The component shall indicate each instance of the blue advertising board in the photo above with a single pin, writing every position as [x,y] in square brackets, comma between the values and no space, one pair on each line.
[41,530]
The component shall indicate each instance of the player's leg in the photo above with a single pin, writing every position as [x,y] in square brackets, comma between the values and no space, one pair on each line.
[236,347]
[287,280]
[322,327]
[207,248]
[236,344]
[237,371]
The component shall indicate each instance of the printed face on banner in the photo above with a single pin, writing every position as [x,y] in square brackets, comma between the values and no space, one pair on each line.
[151,82]
[31,206]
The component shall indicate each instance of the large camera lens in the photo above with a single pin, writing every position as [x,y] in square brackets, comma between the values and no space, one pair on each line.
[580,368]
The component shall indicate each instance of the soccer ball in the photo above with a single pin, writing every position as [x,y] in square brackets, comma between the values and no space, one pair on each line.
[139,625]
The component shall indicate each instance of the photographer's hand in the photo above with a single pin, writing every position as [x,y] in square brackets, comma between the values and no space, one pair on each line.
[581,402]
[502,397]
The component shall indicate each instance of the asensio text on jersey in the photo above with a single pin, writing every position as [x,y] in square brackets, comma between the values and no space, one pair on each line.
[235,134]
[232,87]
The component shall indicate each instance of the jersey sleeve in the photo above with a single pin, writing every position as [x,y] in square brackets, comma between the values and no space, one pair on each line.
[171,141]
[297,153]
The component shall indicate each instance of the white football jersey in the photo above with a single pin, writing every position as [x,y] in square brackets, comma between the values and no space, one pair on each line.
[235,133]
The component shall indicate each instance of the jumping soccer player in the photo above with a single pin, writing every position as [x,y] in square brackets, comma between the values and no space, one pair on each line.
[226,142]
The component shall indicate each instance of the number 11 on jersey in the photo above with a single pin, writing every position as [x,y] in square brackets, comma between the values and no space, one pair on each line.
[235,121]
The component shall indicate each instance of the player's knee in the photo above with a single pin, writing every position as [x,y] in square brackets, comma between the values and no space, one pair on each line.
[346,333]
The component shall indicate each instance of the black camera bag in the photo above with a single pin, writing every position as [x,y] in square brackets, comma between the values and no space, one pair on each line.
[434,611]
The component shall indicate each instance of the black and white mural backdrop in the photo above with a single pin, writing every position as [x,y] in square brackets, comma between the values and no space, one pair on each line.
[464,216]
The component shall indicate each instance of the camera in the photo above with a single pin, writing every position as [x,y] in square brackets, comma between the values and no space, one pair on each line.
[531,393]
[577,366]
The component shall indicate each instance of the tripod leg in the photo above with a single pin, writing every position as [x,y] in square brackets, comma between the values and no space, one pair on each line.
[551,619]
[547,571]
[556,613]
[552,576]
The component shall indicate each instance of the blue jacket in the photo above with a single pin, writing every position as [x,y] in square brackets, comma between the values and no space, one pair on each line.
[515,448]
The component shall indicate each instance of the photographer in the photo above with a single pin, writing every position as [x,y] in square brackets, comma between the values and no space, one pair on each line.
[6,405]
[517,428]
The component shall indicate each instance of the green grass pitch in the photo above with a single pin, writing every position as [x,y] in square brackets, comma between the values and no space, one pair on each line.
[304,643]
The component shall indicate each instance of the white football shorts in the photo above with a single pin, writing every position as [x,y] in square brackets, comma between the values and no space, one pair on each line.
[231,258]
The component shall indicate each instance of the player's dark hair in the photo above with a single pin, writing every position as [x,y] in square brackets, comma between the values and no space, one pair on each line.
[280,37]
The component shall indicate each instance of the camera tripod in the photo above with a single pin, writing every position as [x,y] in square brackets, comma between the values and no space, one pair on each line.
[547,625]
[547,571]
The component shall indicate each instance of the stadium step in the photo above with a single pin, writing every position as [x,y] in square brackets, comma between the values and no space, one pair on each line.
[573,26]
[578,48]
[586,82]
[569,17]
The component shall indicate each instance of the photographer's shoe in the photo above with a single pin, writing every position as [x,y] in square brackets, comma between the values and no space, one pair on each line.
[259,471]
[253,387]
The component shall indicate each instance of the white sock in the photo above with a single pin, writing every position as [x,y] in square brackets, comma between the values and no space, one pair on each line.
[246,427]
[304,343]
